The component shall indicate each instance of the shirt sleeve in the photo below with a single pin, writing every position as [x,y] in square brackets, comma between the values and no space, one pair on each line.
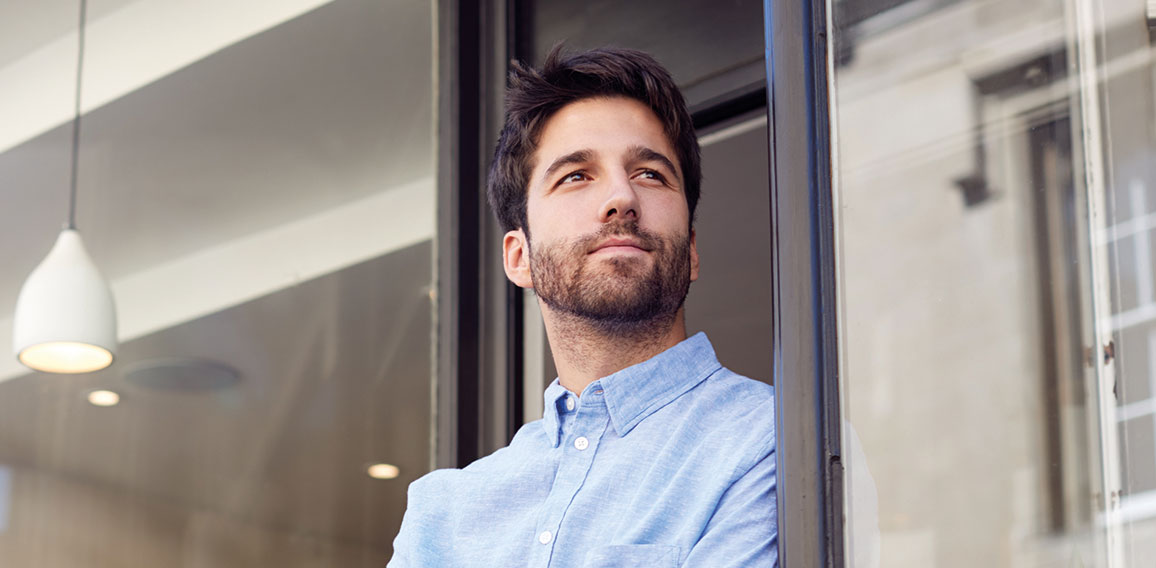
[423,537]
[743,532]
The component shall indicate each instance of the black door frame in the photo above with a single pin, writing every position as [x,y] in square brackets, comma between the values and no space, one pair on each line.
[478,357]
[804,286]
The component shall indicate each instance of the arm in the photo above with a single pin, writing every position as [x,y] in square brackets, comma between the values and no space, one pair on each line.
[743,532]
[423,536]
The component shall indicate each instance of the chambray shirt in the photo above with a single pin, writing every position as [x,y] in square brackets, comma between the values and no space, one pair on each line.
[667,463]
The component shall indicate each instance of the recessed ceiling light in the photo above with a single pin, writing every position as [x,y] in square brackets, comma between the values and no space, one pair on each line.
[383,471]
[103,398]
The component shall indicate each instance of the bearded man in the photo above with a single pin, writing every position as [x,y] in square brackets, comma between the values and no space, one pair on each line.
[649,453]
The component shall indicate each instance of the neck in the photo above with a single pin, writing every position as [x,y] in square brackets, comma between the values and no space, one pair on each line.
[585,352]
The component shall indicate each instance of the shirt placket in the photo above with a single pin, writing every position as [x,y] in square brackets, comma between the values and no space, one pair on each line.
[581,433]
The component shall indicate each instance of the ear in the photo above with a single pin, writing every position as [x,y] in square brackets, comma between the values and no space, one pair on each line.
[693,258]
[516,258]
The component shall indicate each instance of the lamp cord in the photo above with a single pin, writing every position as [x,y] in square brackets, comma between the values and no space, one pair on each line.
[76,117]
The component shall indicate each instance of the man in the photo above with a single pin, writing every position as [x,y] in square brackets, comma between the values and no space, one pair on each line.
[649,453]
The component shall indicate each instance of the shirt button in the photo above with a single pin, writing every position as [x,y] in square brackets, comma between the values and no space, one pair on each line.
[581,443]
[569,403]
[545,537]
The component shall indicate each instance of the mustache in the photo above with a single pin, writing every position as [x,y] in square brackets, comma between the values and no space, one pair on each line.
[646,238]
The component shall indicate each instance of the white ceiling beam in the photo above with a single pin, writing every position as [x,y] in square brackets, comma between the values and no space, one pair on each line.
[126,50]
[234,272]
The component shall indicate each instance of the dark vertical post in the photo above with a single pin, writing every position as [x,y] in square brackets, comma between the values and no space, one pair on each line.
[803,286]
[479,332]
[457,407]
[518,47]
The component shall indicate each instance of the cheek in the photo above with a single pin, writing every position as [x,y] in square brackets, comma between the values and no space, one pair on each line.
[670,214]
[552,222]
[537,225]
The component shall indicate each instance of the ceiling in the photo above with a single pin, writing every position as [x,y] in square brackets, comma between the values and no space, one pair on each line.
[43,21]
[328,110]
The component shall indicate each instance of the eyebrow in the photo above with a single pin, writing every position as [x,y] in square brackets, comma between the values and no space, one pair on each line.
[644,154]
[576,157]
[634,153]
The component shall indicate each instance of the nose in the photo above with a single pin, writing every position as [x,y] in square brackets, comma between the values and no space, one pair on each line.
[621,201]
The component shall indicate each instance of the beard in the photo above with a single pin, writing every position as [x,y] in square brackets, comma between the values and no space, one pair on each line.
[616,294]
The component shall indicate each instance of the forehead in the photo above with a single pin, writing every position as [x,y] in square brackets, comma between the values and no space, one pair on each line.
[600,124]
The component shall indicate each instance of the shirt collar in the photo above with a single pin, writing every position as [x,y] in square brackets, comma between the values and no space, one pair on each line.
[638,391]
[554,394]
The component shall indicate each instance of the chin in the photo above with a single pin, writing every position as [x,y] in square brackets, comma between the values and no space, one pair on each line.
[626,267]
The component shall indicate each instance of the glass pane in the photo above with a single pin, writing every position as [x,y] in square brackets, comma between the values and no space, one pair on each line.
[1121,78]
[994,183]
[256,183]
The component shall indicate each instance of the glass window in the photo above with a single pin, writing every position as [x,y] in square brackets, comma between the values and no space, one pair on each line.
[994,182]
[256,182]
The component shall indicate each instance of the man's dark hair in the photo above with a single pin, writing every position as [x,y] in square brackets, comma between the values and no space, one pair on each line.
[534,95]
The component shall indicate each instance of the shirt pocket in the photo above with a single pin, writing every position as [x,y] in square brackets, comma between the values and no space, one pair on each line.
[633,556]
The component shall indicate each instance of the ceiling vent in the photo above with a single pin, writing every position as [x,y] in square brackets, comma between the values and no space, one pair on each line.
[182,374]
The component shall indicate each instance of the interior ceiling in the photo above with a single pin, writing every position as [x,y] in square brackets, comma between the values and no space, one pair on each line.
[42,21]
[317,113]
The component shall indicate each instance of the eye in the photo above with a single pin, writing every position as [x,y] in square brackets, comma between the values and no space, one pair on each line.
[573,177]
[651,174]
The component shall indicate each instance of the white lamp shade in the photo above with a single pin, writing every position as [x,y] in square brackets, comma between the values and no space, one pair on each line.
[65,320]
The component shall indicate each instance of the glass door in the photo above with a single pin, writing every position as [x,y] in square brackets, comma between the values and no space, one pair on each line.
[993,194]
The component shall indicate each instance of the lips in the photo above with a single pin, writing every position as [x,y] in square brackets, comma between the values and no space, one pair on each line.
[623,243]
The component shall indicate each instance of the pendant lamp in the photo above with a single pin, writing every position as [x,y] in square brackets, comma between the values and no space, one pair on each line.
[65,320]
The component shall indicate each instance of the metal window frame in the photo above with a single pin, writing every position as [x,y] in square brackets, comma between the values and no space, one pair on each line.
[804,285]
[478,330]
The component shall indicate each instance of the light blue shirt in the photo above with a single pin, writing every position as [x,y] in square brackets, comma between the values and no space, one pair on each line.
[667,463]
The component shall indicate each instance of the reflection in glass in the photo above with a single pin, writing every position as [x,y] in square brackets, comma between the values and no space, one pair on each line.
[994,179]
[257,184]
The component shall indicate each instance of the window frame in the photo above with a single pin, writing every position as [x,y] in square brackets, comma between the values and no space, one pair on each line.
[804,285]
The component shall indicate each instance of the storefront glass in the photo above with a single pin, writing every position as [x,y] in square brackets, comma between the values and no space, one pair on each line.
[257,183]
[994,188]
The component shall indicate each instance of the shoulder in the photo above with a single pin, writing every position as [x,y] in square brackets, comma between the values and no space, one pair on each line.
[741,399]
[725,422]
[732,386]
[736,413]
